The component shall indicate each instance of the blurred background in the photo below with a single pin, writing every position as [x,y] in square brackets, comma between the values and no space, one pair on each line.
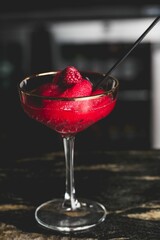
[91,35]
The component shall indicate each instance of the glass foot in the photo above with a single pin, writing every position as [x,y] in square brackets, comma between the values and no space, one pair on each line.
[54,216]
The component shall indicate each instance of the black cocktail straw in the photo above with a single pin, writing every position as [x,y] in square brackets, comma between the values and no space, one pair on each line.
[128,52]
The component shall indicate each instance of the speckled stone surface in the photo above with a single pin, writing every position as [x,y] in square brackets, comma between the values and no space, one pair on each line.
[126,182]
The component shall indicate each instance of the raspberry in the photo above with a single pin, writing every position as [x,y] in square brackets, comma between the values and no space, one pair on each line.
[70,76]
[83,88]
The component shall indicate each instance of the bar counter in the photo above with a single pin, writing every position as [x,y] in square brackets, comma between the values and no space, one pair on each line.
[126,182]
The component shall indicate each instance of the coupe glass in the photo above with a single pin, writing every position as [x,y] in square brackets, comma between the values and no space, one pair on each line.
[68,116]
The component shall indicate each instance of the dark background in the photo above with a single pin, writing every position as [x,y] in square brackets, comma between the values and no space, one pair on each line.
[123,129]
[18,6]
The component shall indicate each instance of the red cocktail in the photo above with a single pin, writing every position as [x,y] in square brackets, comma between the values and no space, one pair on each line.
[67,102]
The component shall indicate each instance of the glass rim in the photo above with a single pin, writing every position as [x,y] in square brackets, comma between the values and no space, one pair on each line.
[28,93]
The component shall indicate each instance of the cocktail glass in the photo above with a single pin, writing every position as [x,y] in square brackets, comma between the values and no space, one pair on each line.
[68,116]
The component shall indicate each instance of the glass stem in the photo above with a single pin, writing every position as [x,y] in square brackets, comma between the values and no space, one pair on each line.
[70,200]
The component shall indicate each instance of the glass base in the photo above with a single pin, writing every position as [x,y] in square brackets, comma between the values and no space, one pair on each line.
[53,215]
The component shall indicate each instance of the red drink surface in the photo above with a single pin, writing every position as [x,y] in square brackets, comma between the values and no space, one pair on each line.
[68,117]
[71,115]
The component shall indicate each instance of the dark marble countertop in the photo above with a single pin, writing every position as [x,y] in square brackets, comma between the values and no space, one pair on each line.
[126,182]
